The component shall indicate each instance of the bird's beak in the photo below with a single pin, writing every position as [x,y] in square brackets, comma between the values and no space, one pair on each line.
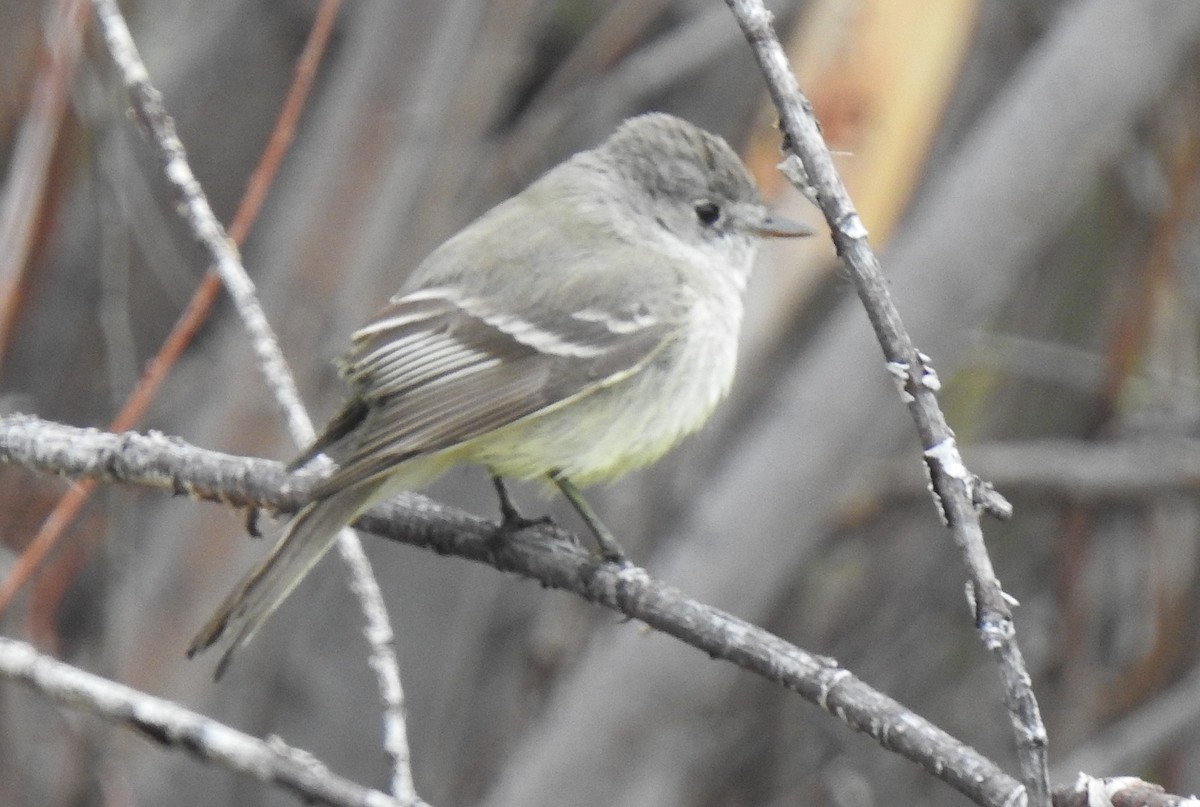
[772,226]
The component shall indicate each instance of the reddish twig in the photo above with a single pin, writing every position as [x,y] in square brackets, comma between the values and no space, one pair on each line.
[194,314]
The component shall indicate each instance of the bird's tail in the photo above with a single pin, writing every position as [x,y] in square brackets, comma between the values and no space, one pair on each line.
[308,536]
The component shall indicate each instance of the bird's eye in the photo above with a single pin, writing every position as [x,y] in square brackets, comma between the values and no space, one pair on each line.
[708,212]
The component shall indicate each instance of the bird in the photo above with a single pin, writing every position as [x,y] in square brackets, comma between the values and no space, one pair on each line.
[573,333]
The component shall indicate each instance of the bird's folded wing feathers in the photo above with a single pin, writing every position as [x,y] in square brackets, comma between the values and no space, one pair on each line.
[435,369]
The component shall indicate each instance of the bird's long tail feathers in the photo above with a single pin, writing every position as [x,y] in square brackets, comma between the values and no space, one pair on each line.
[308,536]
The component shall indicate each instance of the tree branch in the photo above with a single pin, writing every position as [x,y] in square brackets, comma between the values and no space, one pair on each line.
[543,553]
[955,489]
[173,726]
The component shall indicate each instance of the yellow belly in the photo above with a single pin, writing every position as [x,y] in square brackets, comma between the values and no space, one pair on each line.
[605,433]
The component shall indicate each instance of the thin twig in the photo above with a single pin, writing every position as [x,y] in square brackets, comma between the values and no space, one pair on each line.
[1118,791]
[954,486]
[194,207]
[172,726]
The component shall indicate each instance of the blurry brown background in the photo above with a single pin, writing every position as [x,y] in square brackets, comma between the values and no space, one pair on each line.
[1029,170]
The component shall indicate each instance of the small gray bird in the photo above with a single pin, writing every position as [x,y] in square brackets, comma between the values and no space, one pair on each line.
[574,332]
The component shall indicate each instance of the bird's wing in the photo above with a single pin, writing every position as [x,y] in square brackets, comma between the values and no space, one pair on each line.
[436,368]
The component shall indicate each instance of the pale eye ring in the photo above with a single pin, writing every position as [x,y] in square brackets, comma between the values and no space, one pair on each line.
[708,212]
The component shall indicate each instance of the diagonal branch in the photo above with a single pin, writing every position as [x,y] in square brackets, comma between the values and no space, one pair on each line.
[543,553]
[957,491]
[169,724]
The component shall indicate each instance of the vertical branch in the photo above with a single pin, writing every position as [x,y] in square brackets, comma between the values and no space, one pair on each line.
[959,494]
[194,207]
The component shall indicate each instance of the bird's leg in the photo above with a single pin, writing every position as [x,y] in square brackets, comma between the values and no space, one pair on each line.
[252,522]
[610,549]
[511,518]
